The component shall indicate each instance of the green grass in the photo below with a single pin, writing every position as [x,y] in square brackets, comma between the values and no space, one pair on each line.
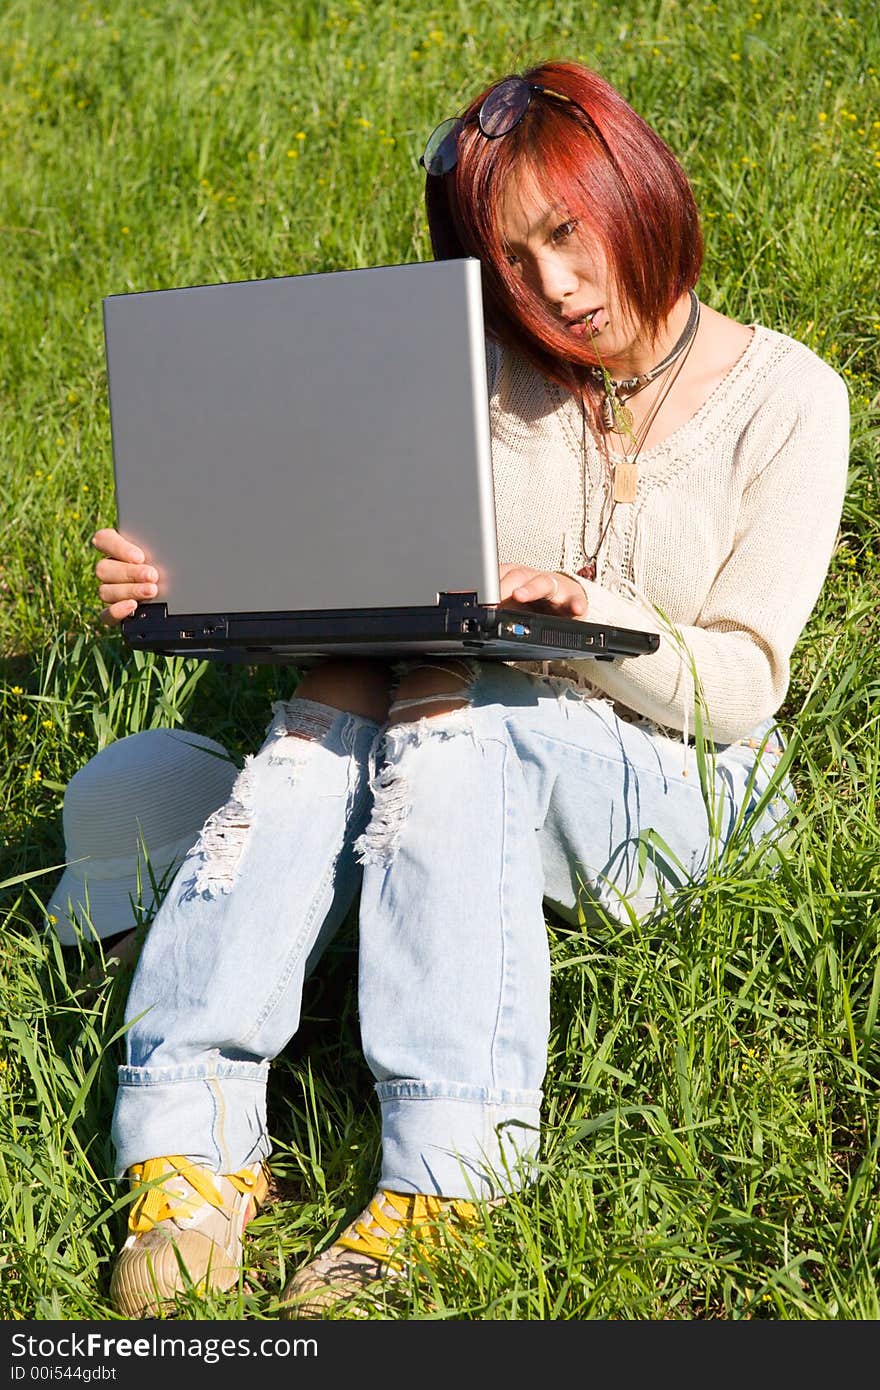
[711,1100]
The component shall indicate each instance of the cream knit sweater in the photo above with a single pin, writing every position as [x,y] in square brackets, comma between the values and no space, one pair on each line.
[723,552]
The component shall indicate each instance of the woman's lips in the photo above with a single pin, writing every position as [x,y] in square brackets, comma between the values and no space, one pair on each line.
[591,324]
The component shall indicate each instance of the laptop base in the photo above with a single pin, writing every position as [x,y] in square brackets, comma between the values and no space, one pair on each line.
[487,632]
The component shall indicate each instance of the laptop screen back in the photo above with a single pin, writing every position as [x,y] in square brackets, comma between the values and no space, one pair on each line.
[306,442]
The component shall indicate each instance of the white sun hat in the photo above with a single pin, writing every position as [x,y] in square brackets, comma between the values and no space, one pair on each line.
[130,816]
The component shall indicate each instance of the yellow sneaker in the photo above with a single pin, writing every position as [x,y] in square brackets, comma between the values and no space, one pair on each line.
[371,1251]
[186,1216]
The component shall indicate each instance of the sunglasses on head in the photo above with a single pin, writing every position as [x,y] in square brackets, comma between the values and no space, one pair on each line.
[499,114]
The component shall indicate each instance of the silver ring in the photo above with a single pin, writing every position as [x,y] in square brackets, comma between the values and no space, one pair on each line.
[555,586]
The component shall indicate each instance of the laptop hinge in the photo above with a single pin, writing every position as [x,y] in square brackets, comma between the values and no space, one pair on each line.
[145,611]
[455,598]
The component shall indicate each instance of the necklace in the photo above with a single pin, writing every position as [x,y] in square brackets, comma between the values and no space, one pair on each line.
[618,390]
[626,472]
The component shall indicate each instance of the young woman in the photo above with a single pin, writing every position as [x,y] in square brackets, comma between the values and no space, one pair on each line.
[656,464]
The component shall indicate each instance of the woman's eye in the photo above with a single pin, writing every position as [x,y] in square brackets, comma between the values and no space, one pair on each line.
[564,230]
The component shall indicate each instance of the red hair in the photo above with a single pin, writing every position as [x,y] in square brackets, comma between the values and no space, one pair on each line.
[605,165]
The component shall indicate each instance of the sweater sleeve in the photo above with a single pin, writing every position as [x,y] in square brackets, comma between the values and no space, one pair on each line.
[762,595]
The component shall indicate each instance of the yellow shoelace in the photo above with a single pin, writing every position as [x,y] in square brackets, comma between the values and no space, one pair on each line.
[393,1215]
[156,1204]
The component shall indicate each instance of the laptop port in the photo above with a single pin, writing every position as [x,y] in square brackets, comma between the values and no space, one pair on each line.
[515,629]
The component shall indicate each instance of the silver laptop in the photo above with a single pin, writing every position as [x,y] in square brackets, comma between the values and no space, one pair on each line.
[307,462]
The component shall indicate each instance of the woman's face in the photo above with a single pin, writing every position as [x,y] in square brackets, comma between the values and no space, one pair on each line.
[566,269]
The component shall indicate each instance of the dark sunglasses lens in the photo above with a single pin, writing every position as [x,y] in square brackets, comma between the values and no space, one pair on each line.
[441,151]
[504,107]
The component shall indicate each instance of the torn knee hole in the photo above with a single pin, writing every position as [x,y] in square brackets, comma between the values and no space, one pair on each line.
[431,690]
[425,706]
[300,718]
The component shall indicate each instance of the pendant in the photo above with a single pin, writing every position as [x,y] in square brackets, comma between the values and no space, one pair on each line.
[626,477]
[588,571]
[615,415]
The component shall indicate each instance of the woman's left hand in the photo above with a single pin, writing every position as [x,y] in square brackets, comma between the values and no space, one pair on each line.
[555,591]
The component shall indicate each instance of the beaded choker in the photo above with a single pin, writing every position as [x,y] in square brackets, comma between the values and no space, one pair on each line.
[617,391]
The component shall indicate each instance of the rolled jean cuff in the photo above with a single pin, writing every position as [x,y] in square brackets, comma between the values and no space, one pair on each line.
[216,1119]
[448,1146]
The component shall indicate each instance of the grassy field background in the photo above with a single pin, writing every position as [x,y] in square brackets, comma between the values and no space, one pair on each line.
[712,1099]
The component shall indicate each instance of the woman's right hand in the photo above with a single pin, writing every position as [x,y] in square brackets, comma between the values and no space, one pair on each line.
[125,579]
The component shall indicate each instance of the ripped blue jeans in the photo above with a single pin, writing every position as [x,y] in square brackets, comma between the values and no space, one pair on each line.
[457,829]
